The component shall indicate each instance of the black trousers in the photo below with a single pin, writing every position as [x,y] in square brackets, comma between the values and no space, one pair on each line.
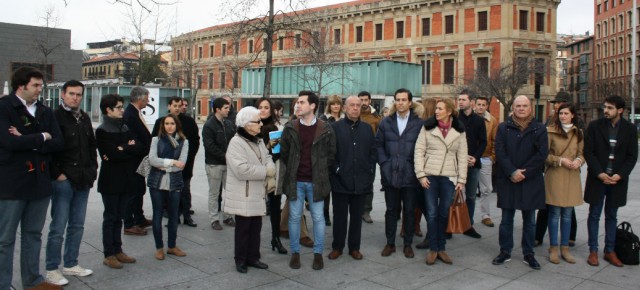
[185,198]
[275,201]
[247,239]
[345,206]
[114,208]
[134,215]
[542,223]
[392,197]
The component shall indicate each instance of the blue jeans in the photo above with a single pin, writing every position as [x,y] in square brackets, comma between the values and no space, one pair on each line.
[305,189]
[471,189]
[528,230]
[30,214]
[564,215]
[437,202]
[68,210]
[610,222]
[157,200]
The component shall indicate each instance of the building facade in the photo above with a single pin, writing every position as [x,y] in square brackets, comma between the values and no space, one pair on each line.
[451,40]
[579,76]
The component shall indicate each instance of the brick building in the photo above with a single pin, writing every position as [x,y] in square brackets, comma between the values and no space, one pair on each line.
[451,40]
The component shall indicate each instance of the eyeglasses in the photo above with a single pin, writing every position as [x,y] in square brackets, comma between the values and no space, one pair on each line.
[119,107]
[255,122]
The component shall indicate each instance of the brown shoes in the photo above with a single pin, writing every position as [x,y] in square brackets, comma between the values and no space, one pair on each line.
[135,231]
[442,256]
[159,254]
[593,259]
[431,257]
[408,252]
[334,254]
[45,286]
[356,255]
[612,259]
[488,222]
[294,263]
[123,258]
[146,223]
[318,263]
[388,250]
[566,255]
[176,252]
[307,242]
[112,262]
[554,255]
[230,222]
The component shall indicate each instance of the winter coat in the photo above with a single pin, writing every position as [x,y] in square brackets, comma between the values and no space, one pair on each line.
[436,155]
[491,124]
[527,150]
[138,129]
[78,160]
[216,136]
[323,153]
[476,135]
[396,152]
[25,159]
[161,161]
[596,152]
[247,163]
[370,117]
[563,186]
[190,130]
[353,171]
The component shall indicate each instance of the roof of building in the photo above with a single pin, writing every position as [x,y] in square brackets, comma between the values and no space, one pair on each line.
[113,56]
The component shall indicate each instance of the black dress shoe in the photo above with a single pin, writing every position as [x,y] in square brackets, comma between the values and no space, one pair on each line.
[189,222]
[472,233]
[241,268]
[258,265]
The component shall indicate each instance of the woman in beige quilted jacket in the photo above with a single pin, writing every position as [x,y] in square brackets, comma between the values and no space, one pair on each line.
[441,167]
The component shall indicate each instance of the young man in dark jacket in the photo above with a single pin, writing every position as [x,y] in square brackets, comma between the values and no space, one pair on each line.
[307,150]
[29,134]
[216,135]
[351,177]
[74,170]
[395,145]
[611,151]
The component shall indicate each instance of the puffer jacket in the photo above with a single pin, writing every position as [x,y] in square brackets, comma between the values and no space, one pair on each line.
[247,163]
[436,155]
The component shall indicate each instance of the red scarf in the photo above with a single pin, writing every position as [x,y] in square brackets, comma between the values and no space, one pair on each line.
[444,127]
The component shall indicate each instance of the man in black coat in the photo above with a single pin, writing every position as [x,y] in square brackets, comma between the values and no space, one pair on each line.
[29,134]
[190,130]
[611,152]
[476,143]
[351,177]
[135,222]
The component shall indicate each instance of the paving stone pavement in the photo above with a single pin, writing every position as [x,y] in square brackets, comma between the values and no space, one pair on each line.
[209,262]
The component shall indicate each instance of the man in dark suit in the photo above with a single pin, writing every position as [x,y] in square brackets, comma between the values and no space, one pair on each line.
[134,220]
[611,151]
[29,134]
[190,130]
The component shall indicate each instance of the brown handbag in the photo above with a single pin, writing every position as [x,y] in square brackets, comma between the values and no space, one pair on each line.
[459,221]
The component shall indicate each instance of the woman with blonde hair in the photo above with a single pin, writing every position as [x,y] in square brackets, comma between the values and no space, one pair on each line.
[441,167]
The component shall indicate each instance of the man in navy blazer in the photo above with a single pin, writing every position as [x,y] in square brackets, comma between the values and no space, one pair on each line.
[134,220]
[29,134]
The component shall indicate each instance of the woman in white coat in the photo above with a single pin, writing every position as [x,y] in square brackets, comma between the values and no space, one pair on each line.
[249,166]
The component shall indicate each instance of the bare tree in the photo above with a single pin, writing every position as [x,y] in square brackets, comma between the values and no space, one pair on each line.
[185,70]
[44,43]
[145,4]
[234,59]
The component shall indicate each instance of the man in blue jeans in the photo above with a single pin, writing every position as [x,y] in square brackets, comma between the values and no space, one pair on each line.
[29,134]
[307,148]
[611,151]
[74,170]
[521,150]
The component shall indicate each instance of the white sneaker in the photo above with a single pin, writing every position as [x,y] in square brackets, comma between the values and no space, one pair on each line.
[77,271]
[55,277]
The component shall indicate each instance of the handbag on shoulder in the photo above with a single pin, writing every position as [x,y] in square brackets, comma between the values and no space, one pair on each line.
[459,220]
[145,167]
[627,245]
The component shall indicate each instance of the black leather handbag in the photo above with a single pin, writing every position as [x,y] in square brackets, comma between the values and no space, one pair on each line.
[627,245]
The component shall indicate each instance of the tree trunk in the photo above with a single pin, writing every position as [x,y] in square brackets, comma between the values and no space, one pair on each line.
[269,50]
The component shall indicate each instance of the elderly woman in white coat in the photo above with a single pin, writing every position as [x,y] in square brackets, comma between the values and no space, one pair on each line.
[249,167]
[440,162]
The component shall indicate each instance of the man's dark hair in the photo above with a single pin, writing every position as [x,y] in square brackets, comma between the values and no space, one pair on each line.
[218,103]
[403,90]
[364,93]
[468,92]
[174,99]
[72,84]
[185,100]
[312,98]
[110,101]
[483,98]
[22,76]
[277,105]
[617,101]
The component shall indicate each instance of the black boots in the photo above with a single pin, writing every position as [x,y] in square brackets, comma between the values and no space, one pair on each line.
[276,244]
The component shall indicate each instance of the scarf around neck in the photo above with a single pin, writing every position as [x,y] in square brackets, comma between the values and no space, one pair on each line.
[522,123]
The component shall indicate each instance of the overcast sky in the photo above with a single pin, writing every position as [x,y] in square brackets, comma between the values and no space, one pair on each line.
[100,20]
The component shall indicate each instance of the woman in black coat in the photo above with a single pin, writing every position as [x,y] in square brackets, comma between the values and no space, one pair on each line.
[117,148]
